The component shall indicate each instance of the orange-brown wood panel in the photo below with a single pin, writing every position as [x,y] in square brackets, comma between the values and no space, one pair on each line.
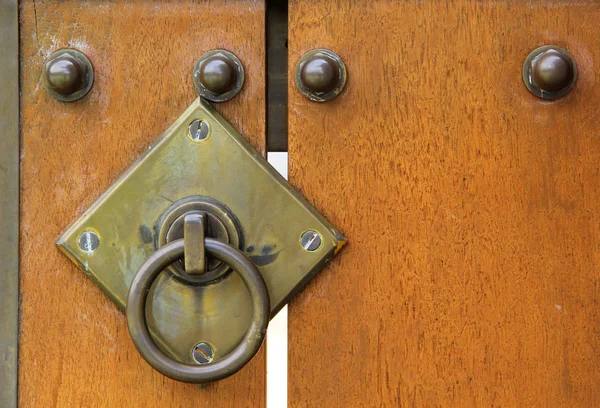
[75,349]
[471,277]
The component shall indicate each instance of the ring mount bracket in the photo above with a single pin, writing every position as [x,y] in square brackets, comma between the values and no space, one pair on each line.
[268,216]
[222,224]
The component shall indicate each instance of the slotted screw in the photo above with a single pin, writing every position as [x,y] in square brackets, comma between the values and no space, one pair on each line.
[311,240]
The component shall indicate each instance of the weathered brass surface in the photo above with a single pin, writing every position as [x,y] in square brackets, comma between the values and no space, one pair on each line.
[320,75]
[272,216]
[9,201]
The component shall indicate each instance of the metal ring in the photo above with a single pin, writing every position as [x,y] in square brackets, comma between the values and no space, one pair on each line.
[232,362]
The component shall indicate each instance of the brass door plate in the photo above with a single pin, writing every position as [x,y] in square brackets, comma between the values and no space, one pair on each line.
[212,160]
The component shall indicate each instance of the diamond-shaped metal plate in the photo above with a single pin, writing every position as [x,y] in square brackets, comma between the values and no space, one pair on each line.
[223,166]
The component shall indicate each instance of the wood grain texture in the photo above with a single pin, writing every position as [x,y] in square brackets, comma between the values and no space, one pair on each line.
[471,277]
[75,349]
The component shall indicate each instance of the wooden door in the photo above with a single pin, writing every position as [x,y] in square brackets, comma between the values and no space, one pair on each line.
[75,350]
[471,277]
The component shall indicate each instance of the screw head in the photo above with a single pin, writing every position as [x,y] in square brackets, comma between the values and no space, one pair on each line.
[67,75]
[198,130]
[549,72]
[320,75]
[203,353]
[89,242]
[218,76]
[311,240]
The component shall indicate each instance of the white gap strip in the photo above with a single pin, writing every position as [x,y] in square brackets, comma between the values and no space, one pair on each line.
[277,333]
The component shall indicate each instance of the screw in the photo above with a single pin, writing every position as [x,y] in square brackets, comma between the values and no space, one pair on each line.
[198,130]
[89,242]
[310,240]
[203,353]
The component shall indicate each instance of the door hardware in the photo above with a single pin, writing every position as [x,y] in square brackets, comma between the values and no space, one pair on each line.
[264,241]
[159,261]
[320,75]
[220,223]
[310,240]
[68,75]
[194,233]
[198,130]
[549,72]
[203,353]
[218,76]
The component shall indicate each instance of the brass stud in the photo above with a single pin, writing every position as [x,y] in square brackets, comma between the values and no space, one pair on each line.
[218,76]
[549,72]
[320,75]
[67,75]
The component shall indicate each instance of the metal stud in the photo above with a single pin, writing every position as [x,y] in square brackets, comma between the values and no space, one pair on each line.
[549,72]
[320,75]
[68,75]
[218,76]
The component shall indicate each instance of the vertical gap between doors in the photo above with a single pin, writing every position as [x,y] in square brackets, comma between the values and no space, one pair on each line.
[276,80]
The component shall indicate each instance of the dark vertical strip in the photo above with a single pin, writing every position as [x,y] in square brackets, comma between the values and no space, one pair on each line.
[9,201]
[277,54]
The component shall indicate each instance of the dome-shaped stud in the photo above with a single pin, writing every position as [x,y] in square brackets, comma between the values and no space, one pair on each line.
[218,76]
[320,75]
[67,75]
[549,72]
[64,75]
